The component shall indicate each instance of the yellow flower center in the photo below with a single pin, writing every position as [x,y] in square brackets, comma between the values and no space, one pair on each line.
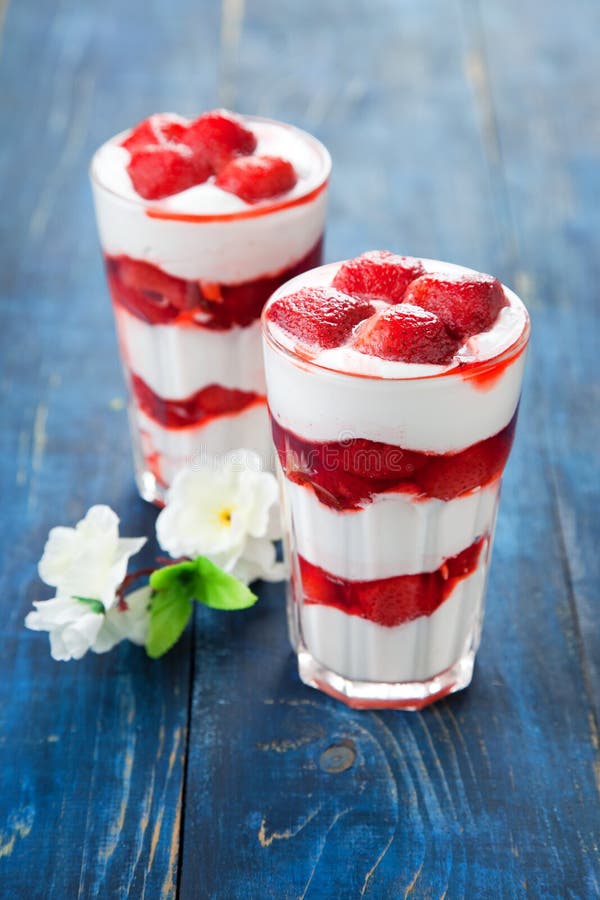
[224,516]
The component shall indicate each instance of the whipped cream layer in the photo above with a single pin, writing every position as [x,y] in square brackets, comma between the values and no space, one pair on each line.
[223,433]
[414,651]
[395,535]
[438,415]
[437,409]
[227,251]
[176,361]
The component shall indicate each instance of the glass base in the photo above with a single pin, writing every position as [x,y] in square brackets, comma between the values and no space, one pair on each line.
[409,695]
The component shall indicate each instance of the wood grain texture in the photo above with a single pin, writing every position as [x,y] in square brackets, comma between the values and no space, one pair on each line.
[493,793]
[460,130]
[91,754]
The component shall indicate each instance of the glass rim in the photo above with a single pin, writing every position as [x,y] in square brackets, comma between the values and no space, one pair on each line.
[155,211]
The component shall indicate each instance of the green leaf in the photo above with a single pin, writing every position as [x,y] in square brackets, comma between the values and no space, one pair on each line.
[96,606]
[176,586]
[220,590]
[183,573]
[170,610]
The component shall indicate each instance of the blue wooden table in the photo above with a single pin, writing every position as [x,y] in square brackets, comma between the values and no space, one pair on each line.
[462,130]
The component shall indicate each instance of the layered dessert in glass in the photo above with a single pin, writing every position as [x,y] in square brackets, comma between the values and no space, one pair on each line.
[393,386]
[200,221]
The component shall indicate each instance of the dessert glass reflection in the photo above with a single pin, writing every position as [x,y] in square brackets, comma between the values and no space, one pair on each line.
[393,386]
[199,222]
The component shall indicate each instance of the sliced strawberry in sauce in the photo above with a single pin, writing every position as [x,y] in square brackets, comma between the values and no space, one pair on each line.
[467,304]
[208,403]
[378,275]
[150,280]
[371,459]
[218,137]
[389,601]
[348,475]
[255,178]
[159,129]
[448,476]
[154,296]
[159,171]
[321,316]
[406,333]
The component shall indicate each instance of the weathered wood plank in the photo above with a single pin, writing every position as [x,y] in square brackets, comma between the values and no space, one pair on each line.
[91,754]
[493,793]
[548,118]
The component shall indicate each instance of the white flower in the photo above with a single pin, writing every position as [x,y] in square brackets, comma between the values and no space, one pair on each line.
[226,511]
[129,624]
[259,561]
[86,565]
[75,626]
[89,560]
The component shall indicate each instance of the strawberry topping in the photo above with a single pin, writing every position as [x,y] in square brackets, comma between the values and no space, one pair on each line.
[321,316]
[406,333]
[158,171]
[254,178]
[170,154]
[219,137]
[159,129]
[378,275]
[466,304]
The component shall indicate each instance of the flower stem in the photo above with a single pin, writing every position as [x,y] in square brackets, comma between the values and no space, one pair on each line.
[127,581]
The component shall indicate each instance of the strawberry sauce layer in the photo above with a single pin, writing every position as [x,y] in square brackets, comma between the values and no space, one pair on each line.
[389,601]
[348,475]
[202,407]
[156,297]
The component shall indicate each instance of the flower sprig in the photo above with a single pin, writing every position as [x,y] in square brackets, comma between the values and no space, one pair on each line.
[219,523]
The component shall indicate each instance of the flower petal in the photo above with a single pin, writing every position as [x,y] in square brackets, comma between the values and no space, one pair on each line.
[259,561]
[89,560]
[214,509]
[72,626]
[262,486]
[126,624]
[58,552]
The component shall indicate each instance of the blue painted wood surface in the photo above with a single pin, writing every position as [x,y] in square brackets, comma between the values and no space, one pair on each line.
[460,130]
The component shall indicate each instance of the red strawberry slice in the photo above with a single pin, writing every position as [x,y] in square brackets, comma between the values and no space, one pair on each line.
[218,137]
[149,279]
[159,171]
[389,601]
[208,403]
[159,129]
[321,316]
[466,304]
[446,477]
[371,459]
[406,333]
[255,178]
[378,274]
